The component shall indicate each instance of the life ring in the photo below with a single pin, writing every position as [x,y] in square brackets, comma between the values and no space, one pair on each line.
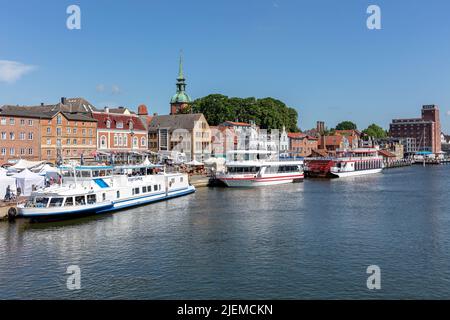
[12,214]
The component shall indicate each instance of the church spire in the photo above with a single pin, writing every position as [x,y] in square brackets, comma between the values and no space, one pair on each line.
[180,67]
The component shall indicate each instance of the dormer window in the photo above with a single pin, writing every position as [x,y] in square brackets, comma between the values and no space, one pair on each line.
[119,125]
[108,123]
[130,124]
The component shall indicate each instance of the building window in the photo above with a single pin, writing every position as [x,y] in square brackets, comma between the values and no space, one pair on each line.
[11,151]
[22,151]
[58,132]
[119,125]
[22,136]
[84,132]
[103,142]
[30,136]
[115,140]
[108,123]
[68,130]
[3,151]
[3,135]
[11,136]
[49,141]
[135,142]
[49,153]
[22,122]
[3,121]
[143,142]
[59,119]
[68,142]
[90,132]
[75,130]
[120,140]
[30,122]
[49,130]
[75,141]
[125,140]
[12,121]
[30,151]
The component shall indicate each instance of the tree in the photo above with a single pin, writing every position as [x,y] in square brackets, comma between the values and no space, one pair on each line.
[268,113]
[346,125]
[375,131]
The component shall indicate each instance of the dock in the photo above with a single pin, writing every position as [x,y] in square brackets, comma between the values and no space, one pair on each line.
[398,163]
[199,181]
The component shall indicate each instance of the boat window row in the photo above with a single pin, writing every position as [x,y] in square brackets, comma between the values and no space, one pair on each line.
[252,169]
[367,165]
[44,202]
[281,169]
[145,189]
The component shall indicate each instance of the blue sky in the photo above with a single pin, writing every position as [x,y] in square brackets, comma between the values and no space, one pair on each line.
[317,56]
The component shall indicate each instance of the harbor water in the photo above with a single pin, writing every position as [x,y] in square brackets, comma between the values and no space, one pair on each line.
[297,241]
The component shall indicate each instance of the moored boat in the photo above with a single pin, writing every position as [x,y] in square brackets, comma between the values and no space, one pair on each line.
[99,189]
[347,163]
[257,170]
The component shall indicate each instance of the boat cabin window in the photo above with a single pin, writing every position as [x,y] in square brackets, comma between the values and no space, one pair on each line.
[67,173]
[80,201]
[91,199]
[149,188]
[69,202]
[56,202]
[86,174]
[104,196]
[243,169]
[155,187]
[135,191]
[283,169]
[118,194]
[95,173]
[41,202]
[144,189]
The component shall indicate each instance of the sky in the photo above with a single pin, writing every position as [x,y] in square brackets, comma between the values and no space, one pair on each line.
[317,56]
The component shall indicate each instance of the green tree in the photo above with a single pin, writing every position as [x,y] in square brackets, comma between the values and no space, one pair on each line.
[268,113]
[346,125]
[375,131]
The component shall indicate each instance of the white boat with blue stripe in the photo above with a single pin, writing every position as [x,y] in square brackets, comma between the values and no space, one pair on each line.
[89,190]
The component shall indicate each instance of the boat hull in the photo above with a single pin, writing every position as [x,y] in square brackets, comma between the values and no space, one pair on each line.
[356,173]
[259,182]
[38,214]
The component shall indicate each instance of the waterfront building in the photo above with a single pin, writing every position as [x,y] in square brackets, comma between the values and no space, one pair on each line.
[66,130]
[189,134]
[284,140]
[180,100]
[301,145]
[122,133]
[335,142]
[19,136]
[425,130]
[247,134]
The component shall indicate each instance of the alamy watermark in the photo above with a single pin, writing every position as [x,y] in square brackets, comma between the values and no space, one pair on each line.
[74,280]
[374,20]
[73,21]
[374,280]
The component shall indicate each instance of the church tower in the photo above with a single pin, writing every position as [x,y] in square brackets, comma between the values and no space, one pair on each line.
[181,99]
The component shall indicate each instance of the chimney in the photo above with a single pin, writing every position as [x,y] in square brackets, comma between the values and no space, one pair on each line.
[42,104]
[107,109]
[63,100]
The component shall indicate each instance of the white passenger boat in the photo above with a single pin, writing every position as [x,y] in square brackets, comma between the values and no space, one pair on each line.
[257,168]
[100,189]
[356,162]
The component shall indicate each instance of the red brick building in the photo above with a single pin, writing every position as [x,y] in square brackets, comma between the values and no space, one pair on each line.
[120,133]
[301,145]
[426,130]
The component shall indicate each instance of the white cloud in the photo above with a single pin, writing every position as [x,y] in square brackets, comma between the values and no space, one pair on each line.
[115,89]
[11,71]
[100,88]
[448,112]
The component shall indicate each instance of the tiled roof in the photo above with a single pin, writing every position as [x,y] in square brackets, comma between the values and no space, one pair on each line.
[299,135]
[115,118]
[386,154]
[175,121]
[236,124]
[43,112]
[79,105]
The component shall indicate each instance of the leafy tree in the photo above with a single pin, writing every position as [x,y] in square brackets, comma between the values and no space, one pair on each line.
[268,113]
[346,125]
[375,131]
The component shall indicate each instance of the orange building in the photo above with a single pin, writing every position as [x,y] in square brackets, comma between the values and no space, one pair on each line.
[301,145]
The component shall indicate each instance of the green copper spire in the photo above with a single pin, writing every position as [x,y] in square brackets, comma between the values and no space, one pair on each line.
[181,96]
[180,68]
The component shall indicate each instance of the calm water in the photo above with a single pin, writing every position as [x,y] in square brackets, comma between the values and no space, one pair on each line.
[309,240]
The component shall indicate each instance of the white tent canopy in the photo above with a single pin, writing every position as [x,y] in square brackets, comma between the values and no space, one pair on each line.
[47,169]
[26,180]
[146,162]
[25,164]
[194,163]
